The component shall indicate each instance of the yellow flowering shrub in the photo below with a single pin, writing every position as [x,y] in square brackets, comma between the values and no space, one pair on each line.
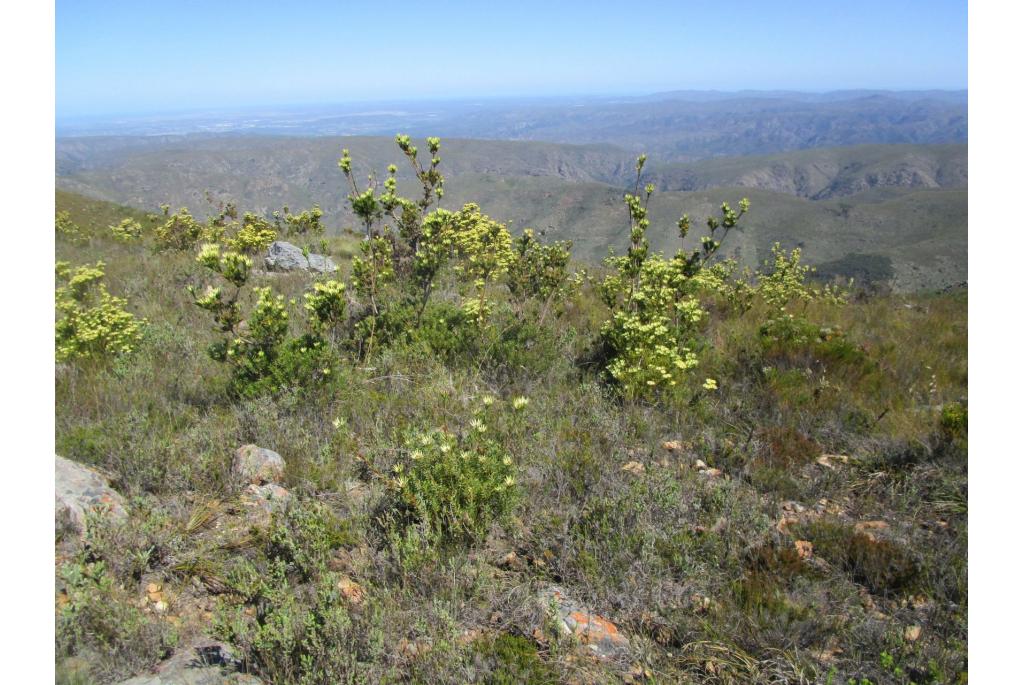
[127,231]
[262,357]
[181,231]
[453,489]
[254,235]
[68,229]
[653,303]
[91,322]
[784,280]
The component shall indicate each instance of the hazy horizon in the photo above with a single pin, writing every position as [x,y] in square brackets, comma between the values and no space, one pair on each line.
[164,57]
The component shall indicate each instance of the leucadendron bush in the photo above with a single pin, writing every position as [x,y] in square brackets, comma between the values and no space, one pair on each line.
[758,477]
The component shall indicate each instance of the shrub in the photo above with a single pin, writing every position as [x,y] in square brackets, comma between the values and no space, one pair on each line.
[326,304]
[513,660]
[92,322]
[302,639]
[64,226]
[127,231]
[454,489]
[539,271]
[262,357]
[953,421]
[255,235]
[784,281]
[180,232]
[304,536]
[95,615]
[884,566]
[306,223]
[654,311]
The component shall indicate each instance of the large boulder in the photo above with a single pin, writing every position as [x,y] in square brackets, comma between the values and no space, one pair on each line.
[79,490]
[282,256]
[257,465]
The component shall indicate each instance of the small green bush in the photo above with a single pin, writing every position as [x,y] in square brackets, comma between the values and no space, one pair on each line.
[455,489]
[127,231]
[953,421]
[97,616]
[512,660]
[255,235]
[304,536]
[181,231]
[307,638]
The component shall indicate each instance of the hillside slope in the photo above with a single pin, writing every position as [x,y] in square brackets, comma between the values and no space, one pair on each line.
[903,206]
[824,173]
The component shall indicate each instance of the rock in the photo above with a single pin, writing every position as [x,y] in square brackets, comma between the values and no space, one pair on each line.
[864,526]
[804,548]
[600,636]
[634,467]
[261,501]
[257,465]
[699,465]
[352,591]
[912,633]
[204,663]
[282,256]
[785,522]
[672,446]
[79,490]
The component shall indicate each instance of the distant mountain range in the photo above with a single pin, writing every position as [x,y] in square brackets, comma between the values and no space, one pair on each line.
[674,127]
[893,213]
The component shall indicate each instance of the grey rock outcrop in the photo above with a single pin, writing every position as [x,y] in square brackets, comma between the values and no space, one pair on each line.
[79,490]
[257,465]
[283,256]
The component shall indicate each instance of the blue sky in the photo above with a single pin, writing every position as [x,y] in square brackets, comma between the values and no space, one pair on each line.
[159,55]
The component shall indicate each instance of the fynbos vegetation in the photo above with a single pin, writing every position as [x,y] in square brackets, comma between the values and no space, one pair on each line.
[493,464]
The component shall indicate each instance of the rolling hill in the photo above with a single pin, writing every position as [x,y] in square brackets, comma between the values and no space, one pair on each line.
[897,213]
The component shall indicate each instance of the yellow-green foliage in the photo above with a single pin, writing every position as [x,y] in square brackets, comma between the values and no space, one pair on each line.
[648,326]
[784,281]
[537,270]
[255,234]
[654,308]
[91,322]
[326,303]
[64,226]
[454,488]
[181,231]
[484,251]
[374,270]
[306,223]
[128,230]
[603,510]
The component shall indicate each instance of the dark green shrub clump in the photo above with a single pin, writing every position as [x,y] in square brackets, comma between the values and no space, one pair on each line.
[883,566]
[786,448]
[512,660]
